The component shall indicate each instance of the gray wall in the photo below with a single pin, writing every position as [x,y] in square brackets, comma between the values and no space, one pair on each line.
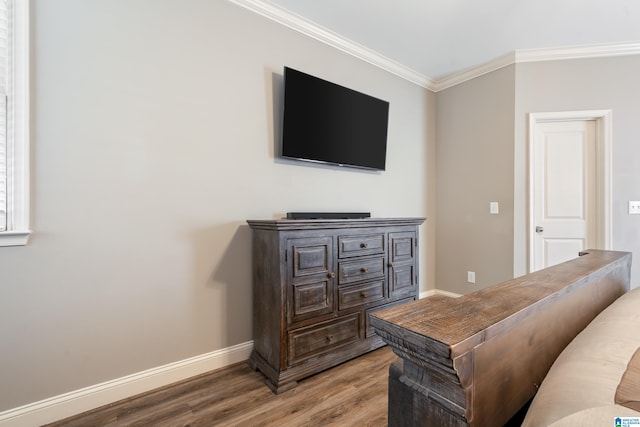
[575,85]
[482,156]
[154,129]
[154,124]
[474,157]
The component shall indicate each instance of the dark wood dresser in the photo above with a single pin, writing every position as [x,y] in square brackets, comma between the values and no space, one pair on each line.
[315,282]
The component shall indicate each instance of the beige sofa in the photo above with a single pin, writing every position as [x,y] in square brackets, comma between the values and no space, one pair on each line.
[597,376]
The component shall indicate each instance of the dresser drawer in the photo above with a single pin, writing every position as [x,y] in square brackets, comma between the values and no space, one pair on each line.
[358,245]
[308,342]
[366,293]
[360,269]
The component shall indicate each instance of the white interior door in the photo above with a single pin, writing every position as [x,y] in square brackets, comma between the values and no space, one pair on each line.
[564,191]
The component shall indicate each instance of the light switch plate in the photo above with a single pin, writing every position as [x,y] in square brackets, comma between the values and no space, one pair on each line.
[494,208]
[634,208]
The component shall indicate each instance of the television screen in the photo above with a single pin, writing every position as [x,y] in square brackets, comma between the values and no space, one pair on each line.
[328,123]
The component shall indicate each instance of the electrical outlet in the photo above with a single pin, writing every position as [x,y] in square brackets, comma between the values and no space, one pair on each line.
[471,276]
[634,208]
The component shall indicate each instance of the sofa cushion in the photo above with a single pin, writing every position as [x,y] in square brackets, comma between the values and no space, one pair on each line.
[628,392]
[595,417]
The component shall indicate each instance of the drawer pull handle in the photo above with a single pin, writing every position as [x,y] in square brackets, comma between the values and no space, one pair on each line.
[329,338]
[363,245]
[364,270]
[331,275]
[364,294]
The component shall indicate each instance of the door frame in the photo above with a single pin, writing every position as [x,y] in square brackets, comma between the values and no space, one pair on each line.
[604,140]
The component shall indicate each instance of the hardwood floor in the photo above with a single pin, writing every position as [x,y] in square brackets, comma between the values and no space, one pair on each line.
[352,394]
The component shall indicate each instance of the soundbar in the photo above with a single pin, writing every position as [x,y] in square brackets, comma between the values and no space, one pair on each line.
[328,215]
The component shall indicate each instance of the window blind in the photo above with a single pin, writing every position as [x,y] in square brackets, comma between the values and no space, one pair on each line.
[4,66]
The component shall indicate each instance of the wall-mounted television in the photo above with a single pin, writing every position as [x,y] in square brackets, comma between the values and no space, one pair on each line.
[328,123]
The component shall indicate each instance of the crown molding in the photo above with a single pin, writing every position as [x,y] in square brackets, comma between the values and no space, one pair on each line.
[538,55]
[471,73]
[578,52]
[324,35]
[304,26]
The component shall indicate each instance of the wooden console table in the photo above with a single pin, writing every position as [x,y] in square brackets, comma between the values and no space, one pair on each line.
[477,359]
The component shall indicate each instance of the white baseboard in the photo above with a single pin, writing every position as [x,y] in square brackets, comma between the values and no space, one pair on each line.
[431,292]
[85,399]
[78,401]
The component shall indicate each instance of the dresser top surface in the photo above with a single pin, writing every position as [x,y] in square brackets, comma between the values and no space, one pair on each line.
[299,224]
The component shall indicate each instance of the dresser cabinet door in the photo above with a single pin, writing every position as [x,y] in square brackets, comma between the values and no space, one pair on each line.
[403,277]
[311,282]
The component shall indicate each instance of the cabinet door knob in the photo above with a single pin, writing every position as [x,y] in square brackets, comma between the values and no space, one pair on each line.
[390,265]
[331,275]
[363,245]
[364,270]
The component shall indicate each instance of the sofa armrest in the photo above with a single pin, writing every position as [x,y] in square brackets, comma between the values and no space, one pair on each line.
[588,371]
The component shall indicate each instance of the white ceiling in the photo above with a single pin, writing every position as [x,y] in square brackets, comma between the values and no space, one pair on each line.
[436,38]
